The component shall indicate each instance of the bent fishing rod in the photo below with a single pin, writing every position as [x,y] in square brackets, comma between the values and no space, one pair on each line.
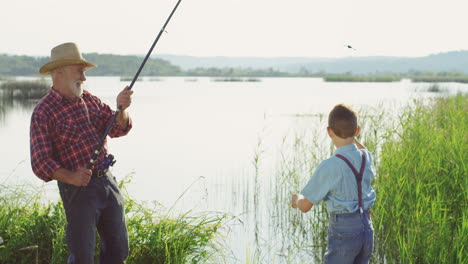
[119,108]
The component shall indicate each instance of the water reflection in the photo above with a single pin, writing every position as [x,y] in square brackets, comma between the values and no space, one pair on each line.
[8,104]
[21,94]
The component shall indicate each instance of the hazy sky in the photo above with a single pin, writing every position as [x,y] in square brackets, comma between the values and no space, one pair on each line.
[261,28]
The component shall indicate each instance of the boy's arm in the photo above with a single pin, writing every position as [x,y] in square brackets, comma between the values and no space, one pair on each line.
[298,201]
[358,144]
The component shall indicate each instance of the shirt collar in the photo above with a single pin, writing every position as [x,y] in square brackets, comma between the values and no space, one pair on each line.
[346,148]
[56,96]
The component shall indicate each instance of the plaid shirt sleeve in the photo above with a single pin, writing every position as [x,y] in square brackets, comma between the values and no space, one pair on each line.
[42,161]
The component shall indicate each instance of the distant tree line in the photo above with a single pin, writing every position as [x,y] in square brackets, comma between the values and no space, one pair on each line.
[20,65]
[108,65]
[118,65]
[127,65]
[121,65]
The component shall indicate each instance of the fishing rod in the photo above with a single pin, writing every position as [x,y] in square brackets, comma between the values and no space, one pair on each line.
[119,108]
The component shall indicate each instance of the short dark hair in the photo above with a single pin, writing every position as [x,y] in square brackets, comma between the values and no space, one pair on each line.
[343,121]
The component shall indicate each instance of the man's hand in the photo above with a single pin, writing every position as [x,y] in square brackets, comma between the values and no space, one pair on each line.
[124,99]
[80,177]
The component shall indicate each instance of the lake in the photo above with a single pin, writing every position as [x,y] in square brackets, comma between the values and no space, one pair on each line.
[216,145]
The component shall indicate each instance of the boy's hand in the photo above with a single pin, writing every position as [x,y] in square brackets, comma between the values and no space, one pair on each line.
[298,201]
[294,200]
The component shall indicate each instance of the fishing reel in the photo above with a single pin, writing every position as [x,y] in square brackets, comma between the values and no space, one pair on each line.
[109,161]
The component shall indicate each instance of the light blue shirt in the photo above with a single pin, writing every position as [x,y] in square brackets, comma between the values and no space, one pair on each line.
[334,182]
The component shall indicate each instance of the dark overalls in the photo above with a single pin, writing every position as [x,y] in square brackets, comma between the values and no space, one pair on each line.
[351,236]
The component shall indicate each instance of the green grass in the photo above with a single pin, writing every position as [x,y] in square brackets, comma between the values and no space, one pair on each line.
[154,237]
[421,214]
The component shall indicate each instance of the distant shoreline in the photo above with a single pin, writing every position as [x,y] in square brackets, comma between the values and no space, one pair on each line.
[429,78]
[449,64]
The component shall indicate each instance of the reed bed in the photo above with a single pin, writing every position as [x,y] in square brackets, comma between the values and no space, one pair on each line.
[21,90]
[355,78]
[421,215]
[22,94]
[236,79]
[302,236]
[32,230]
[435,88]
[437,79]
[129,78]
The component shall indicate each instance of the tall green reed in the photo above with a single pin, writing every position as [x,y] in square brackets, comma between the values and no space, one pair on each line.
[301,235]
[421,212]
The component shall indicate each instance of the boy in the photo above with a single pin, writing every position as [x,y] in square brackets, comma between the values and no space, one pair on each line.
[335,181]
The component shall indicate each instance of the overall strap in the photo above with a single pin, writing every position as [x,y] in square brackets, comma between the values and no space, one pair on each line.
[357,175]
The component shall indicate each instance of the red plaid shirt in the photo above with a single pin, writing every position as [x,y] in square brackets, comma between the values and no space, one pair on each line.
[65,132]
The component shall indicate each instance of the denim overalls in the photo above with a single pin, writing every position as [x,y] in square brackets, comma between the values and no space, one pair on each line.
[351,235]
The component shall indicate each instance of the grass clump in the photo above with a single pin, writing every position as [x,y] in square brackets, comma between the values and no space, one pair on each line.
[421,214]
[25,222]
[160,239]
[434,88]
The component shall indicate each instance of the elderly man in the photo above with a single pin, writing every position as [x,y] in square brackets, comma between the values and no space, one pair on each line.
[66,127]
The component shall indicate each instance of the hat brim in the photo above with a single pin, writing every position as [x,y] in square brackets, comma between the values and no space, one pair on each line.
[48,67]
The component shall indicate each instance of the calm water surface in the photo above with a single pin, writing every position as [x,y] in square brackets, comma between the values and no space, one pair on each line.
[205,135]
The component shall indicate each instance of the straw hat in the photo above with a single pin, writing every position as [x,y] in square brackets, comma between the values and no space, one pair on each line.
[63,55]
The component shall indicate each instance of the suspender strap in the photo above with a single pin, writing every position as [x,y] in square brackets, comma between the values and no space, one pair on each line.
[357,175]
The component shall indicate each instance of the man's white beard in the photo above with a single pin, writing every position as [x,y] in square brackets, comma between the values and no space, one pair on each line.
[77,89]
